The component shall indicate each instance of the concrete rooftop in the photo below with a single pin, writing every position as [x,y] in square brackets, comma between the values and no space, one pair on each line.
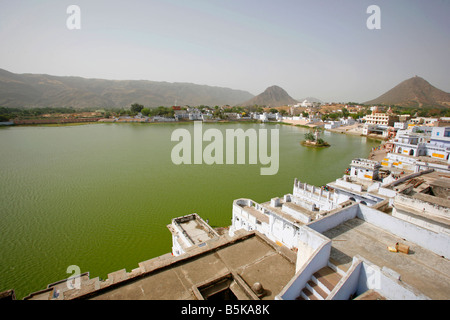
[245,259]
[422,269]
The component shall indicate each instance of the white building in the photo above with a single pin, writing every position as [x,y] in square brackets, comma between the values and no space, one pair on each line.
[189,232]
[181,114]
[378,118]
[348,121]
[307,104]
[401,125]
[280,219]
[423,120]
[364,169]
[410,144]
[194,114]
[439,145]
[411,151]
[332,124]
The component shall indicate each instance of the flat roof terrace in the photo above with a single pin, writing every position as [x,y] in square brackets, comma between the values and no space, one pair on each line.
[193,228]
[241,261]
[422,269]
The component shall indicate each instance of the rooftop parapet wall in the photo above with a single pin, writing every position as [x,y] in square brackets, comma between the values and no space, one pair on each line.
[346,183]
[385,282]
[323,199]
[334,218]
[429,204]
[250,203]
[313,254]
[438,243]
[365,163]
[364,276]
[249,215]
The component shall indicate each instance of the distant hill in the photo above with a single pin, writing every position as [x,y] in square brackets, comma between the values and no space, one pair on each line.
[414,92]
[273,97]
[40,90]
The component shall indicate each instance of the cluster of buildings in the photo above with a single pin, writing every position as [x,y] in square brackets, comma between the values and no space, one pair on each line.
[416,150]
[380,232]
[387,123]
[182,114]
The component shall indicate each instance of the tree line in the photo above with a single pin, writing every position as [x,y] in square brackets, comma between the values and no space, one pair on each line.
[7,113]
[12,113]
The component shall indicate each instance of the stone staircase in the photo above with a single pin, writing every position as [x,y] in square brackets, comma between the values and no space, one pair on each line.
[321,284]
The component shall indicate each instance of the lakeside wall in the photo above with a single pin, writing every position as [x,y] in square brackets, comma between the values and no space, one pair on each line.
[54,121]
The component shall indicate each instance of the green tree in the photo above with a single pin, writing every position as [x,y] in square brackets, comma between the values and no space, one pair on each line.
[136,107]
[334,116]
[145,112]
[345,112]
[160,111]
[310,137]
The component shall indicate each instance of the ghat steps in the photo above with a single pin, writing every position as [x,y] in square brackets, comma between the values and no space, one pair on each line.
[321,284]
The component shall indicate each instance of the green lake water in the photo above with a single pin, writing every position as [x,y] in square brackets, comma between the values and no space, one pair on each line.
[100,196]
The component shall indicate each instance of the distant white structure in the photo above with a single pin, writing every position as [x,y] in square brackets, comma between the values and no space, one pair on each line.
[304,104]
[423,120]
[401,125]
[307,104]
[348,121]
[332,124]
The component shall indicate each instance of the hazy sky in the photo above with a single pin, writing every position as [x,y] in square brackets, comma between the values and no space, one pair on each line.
[318,48]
